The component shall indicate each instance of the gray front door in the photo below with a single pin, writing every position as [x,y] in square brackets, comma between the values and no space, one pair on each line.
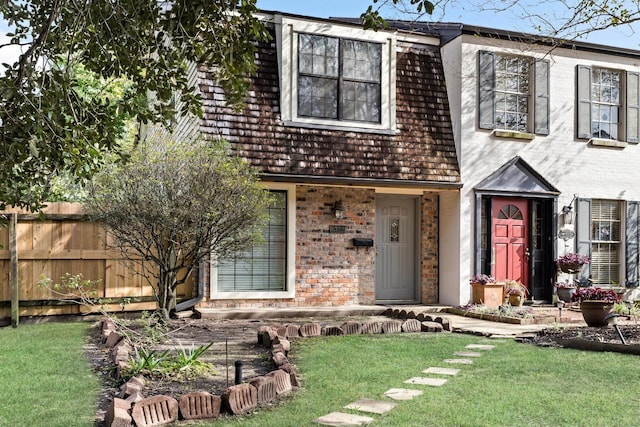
[396,239]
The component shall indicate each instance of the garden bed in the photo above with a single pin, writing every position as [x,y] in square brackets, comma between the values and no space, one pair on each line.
[590,339]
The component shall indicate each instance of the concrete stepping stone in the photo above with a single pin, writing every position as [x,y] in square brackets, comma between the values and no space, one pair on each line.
[459,361]
[402,393]
[370,405]
[480,347]
[342,419]
[434,382]
[441,371]
[467,354]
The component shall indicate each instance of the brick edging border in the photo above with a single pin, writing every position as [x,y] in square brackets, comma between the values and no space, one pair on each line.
[130,408]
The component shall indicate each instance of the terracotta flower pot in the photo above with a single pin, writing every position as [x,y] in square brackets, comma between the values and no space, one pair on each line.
[595,311]
[490,294]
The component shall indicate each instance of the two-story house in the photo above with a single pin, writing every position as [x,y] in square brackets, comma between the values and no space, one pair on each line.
[350,130]
[366,139]
[547,139]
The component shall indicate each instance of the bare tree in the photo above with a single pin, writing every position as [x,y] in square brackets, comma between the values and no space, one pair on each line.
[172,205]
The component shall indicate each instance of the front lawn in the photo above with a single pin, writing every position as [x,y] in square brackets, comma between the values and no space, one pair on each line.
[512,385]
[45,379]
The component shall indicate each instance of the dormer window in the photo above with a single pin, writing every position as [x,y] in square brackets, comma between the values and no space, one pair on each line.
[336,76]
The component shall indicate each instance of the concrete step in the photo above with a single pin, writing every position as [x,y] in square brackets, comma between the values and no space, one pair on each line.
[290,312]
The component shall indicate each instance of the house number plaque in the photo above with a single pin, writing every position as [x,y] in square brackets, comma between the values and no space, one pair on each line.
[338,229]
[566,234]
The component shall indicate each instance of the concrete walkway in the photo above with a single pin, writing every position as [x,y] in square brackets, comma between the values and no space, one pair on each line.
[459,323]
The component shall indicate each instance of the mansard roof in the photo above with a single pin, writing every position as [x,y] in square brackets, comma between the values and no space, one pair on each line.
[421,153]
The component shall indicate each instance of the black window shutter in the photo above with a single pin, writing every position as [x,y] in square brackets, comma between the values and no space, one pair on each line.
[583,233]
[541,99]
[486,86]
[632,244]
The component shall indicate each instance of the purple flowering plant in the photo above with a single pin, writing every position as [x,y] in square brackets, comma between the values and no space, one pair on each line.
[596,294]
[482,279]
[573,259]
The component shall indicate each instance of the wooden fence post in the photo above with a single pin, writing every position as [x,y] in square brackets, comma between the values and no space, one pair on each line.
[13,247]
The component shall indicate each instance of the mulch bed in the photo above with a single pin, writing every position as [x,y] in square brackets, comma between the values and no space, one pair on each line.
[589,338]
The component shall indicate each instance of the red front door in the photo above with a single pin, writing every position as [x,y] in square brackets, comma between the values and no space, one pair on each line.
[510,239]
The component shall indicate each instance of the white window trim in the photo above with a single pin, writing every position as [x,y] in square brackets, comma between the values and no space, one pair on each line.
[287,45]
[290,291]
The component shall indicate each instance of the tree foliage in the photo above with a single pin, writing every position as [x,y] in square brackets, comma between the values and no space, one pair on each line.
[48,124]
[175,204]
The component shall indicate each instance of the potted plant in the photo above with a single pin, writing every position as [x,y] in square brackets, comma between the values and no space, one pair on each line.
[515,292]
[565,291]
[596,304]
[572,263]
[485,290]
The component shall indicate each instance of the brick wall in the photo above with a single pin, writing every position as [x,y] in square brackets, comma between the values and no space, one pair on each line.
[329,270]
[429,263]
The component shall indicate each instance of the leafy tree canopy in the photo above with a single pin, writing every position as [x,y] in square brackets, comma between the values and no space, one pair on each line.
[51,122]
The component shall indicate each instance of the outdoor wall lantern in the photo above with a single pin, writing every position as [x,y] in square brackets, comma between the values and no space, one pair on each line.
[567,213]
[338,209]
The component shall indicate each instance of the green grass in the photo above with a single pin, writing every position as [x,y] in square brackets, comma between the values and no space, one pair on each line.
[512,385]
[45,379]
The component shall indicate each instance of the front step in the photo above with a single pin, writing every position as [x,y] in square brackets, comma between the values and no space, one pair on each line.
[289,312]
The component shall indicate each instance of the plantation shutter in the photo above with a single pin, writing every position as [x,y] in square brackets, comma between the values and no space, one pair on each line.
[633,108]
[583,232]
[486,86]
[541,99]
[632,243]
[584,101]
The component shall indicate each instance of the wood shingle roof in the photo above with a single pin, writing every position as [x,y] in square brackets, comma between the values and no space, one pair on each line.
[421,152]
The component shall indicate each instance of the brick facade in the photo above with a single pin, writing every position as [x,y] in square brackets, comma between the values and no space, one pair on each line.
[329,270]
[429,262]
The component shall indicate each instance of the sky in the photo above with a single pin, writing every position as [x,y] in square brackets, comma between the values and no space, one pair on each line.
[464,12]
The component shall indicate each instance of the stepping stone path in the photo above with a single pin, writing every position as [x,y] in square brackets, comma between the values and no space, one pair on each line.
[441,371]
[400,394]
[342,419]
[370,405]
[459,361]
[467,354]
[435,382]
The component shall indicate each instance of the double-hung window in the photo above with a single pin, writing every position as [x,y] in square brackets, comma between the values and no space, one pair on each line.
[608,104]
[600,236]
[336,76]
[513,93]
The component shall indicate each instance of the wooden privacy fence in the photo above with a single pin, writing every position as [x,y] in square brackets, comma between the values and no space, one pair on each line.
[65,242]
